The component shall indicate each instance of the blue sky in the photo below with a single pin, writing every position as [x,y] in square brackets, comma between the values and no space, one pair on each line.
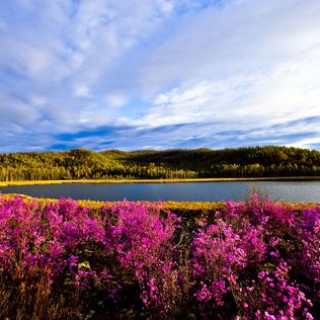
[160,74]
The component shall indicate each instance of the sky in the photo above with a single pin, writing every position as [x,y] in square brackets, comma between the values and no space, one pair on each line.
[159,74]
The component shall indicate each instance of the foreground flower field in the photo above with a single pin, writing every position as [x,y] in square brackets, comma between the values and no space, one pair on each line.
[254,260]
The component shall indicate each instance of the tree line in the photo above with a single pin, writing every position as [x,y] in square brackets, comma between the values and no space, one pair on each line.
[267,161]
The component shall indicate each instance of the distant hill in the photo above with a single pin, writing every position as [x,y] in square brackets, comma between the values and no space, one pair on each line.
[179,163]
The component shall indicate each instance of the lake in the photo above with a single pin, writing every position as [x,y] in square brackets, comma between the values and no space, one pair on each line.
[293,191]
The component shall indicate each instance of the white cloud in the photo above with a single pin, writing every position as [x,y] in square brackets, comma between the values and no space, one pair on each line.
[286,92]
[38,101]
[16,113]
[116,99]
[52,46]
[249,64]
[242,65]
[304,143]
[238,39]
[82,90]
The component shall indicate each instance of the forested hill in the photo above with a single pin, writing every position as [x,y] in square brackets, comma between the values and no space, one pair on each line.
[199,163]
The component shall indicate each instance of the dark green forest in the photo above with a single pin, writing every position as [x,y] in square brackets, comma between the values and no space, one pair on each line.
[269,161]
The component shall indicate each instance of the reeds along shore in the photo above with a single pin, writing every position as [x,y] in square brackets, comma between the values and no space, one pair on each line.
[102,181]
[64,260]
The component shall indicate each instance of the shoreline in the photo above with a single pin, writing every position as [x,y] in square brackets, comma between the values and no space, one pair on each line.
[174,206]
[117,181]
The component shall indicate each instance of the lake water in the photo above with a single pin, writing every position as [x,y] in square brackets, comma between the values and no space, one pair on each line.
[295,191]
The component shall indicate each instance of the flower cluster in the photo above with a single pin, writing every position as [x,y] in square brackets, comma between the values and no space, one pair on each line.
[254,260]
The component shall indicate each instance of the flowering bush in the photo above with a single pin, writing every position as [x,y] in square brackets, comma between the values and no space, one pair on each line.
[254,260]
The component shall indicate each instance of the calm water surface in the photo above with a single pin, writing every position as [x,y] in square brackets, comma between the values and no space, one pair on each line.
[295,191]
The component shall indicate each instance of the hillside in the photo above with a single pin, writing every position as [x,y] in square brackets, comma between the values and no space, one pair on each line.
[200,163]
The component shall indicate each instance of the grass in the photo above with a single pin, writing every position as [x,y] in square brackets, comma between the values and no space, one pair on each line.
[178,207]
[43,182]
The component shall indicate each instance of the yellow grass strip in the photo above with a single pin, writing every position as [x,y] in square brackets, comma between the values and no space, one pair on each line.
[174,206]
[42,182]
